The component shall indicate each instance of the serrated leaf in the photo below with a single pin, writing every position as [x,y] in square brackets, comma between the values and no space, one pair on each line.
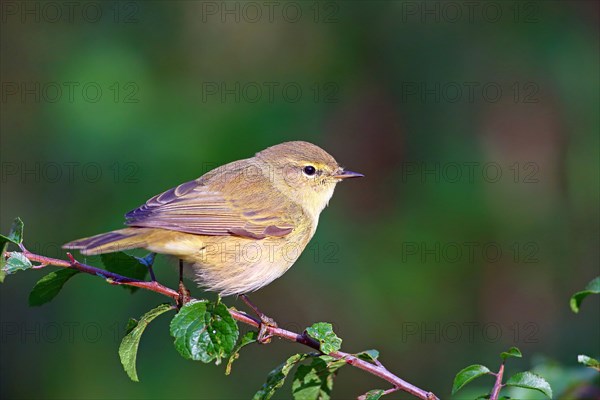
[49,286]
[374,394]
[130,343]
[315,381]
[204,331]
[368,355]
[512,352]
[248,338]
[126,265]
[328,340]
[17,262]
[529,380]
[588,361]
[276,378]
[467,375]
[592,288]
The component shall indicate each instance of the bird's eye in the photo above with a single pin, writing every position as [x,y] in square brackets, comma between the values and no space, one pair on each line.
[309,170]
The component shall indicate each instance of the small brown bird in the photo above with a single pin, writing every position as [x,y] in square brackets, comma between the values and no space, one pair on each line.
[239,226]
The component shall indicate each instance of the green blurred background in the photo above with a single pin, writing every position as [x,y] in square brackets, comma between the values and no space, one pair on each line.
[475,123]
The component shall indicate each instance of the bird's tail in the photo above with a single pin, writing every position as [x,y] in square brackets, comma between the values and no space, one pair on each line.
[119,240]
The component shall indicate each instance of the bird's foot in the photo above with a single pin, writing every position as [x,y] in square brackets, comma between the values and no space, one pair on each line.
[264,336]
[184,295]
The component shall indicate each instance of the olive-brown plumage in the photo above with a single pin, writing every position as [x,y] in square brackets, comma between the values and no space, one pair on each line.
[239,226]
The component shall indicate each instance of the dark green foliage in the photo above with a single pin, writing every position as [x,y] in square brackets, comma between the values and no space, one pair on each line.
[276,378]
[16,262]
[527,380]
[126,265]
[592,288]
[130,343]
[204,331]
[512,352]
[248,338]
[315,381]
[49,286]
[467,375]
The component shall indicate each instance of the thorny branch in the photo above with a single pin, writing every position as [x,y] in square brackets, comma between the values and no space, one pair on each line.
[376,369]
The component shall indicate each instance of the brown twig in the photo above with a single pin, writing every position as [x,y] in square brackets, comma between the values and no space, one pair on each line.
[376,368]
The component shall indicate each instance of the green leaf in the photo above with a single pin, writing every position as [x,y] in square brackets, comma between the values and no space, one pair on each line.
[124,264]
[15,235]
[17,262]
[529,380]
[276,378]
[315,381]
[323,332]
[467,375]
[49,286]
[512,352]
[592,288]
[308,385]
[368,355]
[248,338]
[129,345]
[3,246]
[131,324]
[588,362]
[374,394]
[204,331]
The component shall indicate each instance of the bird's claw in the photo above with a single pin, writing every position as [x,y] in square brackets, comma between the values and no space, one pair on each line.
[184,295]
[264,336]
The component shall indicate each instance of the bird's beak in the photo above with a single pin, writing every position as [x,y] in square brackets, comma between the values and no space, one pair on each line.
[341,174]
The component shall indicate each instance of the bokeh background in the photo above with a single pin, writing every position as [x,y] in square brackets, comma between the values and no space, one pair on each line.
[475,123]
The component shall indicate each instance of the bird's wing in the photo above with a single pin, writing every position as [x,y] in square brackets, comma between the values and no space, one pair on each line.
[208,208]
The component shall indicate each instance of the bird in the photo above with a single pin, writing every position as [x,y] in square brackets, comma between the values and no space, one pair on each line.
[239,226]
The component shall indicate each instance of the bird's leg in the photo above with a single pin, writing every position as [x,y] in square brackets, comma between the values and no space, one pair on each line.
[149,261]
[265,322]
[184,294]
